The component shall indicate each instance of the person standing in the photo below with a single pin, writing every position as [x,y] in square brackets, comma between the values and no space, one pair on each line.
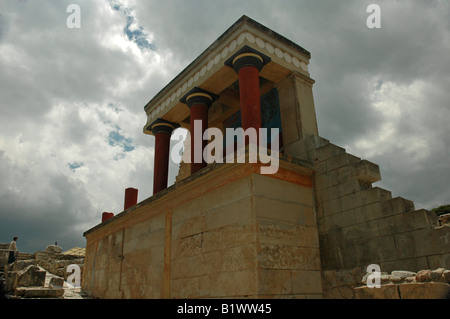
[12,251]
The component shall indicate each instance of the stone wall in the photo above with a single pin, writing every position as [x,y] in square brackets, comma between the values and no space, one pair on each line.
[361,225]
[229,232]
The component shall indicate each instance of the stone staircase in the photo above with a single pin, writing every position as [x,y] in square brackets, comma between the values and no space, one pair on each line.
[361,225]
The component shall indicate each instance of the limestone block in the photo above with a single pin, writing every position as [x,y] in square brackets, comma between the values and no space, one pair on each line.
[383,209]
[402,274]
[362,170]
[429,290]
[239,212]
[423,242]
[303,148]
[338,221]
[326,180]
[344,277]
[340,161]
[326,152]
[190,266]
[376,250]
[274,282]
[288,257]
[362,231]
[268,209]
[332,207]
[53,249]
[328,193]
[265,186]
[288,235]
[237,234]
[389,291]
[306,282]
[211,241]
[342,292]
[39,292]
[235,284]
[239,258]
[19,265]
[56,282]
[365,197]
[32,276]
[407,222]
[436,261]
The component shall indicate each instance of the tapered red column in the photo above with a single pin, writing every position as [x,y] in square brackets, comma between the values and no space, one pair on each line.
[162,130]
[199,102]
[247,63]
[131,198]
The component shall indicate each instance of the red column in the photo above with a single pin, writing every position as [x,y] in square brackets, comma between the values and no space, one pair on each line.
[162,130]
[106,216]
[248,62]
[250,97]
[131,198]
[199,102]
[199,112]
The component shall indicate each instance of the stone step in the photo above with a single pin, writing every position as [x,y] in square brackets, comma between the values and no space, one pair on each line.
[25,256]
[39,292]
[408,221]
[397,205]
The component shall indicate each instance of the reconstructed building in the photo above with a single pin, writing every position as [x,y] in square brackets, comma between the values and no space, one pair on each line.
[228,230]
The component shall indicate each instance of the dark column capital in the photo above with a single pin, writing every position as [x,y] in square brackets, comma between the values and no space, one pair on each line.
[162,126]
[247,56]
[198,96]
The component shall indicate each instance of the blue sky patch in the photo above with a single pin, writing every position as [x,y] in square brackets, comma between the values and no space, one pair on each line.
[117,139]
[132,30]
[75,165]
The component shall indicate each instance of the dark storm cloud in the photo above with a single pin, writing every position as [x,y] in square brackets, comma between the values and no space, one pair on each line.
[71,108]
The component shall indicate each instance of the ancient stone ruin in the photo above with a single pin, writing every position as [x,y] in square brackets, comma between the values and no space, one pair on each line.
[227,229]
[40,275]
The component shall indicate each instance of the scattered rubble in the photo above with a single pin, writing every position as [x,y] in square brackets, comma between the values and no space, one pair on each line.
[425,284]
[41,275]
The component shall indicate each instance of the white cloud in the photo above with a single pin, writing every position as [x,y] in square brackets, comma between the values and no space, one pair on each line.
[72,106]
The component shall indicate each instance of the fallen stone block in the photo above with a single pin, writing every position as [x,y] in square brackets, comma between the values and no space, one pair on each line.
[423,276]
[389,291]
[39,292]
[54,249]
[425,290]
[56,282]
[32,276]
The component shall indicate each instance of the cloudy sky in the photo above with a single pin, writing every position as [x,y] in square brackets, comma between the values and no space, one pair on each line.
[72,99]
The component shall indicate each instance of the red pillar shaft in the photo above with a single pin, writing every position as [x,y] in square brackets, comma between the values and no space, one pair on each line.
[106,216]
[131,197]
[198,112]
[161,170]
[249,97]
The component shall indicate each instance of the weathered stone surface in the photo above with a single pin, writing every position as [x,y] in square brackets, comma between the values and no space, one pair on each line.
[39,292]
[56,282]
[53,249]
[446,276]
[423,276]
[436,275]
[403,273]
[429,290]
[32,276]
[19,265]
[389,291]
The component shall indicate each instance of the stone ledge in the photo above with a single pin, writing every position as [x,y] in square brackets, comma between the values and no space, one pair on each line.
[424,290]
[39,292]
